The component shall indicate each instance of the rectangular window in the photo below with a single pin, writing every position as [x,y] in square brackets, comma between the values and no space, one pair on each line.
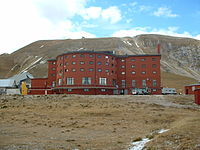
[91,69]
[123,83]
[154,66]
[73,63]
[122,60]
[69,90]
[66,56]
[123,73]
[53,63]
[144,83]
[81,55]
[82,62]
[86,80]
[66,63]
[53,75]
[102,81]
[106,56]
[103,90]
[132,59]
[143,66]
[143,72]
[114,82]
[99,63]
[73,56]
[134,83]
[99,70]
[91,55]
[82,69]
[143,59]
[132,66]
[107,63]
[122,66]
[154,72]
[154,83]
[91,62]
[133,72]
[73,70]
[99,56]
[59,82]
[153,59]
[107,70]
[53,68]
[70,81]
[66,70]
[53,84]
[86,90]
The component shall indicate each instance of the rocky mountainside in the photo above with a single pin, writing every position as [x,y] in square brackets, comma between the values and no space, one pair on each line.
[180,56]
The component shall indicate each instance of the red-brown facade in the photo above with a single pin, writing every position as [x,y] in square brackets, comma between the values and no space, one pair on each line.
[93,73]
[189,89]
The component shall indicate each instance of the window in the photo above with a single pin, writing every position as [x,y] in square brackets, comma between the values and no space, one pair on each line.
[86,80]
[102,81]
[103,90]
[73,56]
[123,73]
[133,83]
[53,63]
[106,56]
[82,62]
[73,63]
[53,75]
[73,70]
[143,66]
[144,83]
[132,66]
[99,56]
[154,72]
[112,65]
[154,66]
[70,81]
[66,63]
[86,90]
[154,83]
[154,59]
[132,59]
[53,84]
[91,55]
[122,66]
[91,69]
[81,55]
[122,60]
[143,72]
[53,68]
[99,63]
[99,70]
[66,56]
[107,63]
[107,70]
[91,62]
[133,72]
[59,81]
[61,64]
[143,59]
[114,82]
[154,90]
[69,90]
[123,83]
[82,69]
[66,70]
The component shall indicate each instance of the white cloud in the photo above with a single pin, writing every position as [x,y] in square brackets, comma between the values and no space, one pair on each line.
[112,13]
[92,13]
[144,8]
[164,11]
[22,23]
[171,31]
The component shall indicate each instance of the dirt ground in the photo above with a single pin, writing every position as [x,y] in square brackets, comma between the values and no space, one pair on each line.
[71,122]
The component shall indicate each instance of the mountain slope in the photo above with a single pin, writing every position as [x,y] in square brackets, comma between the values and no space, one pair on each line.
[180,56]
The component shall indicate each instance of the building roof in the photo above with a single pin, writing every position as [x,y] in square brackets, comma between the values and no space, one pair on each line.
[5,83]
[107,53]
[194,84]
[22,76]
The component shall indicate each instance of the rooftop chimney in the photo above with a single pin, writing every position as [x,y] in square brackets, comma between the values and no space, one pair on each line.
[158,48]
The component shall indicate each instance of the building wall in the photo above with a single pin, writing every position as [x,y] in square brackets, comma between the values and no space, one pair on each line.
[95,65]
[197,96]
[189,90]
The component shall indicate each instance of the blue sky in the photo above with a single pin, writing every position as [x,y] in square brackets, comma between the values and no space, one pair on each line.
[26,21]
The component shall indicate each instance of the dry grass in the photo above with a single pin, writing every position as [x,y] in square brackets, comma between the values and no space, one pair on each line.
[93,122]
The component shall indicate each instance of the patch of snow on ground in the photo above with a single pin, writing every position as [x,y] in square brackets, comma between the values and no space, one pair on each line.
[139,145]
[32,64]
[136,43]
[163,130]
[43,62]
[42,46]
[80,49]
[129,43]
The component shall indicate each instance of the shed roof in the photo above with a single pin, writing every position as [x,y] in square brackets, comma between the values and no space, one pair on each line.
[5,83]
[22,76]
